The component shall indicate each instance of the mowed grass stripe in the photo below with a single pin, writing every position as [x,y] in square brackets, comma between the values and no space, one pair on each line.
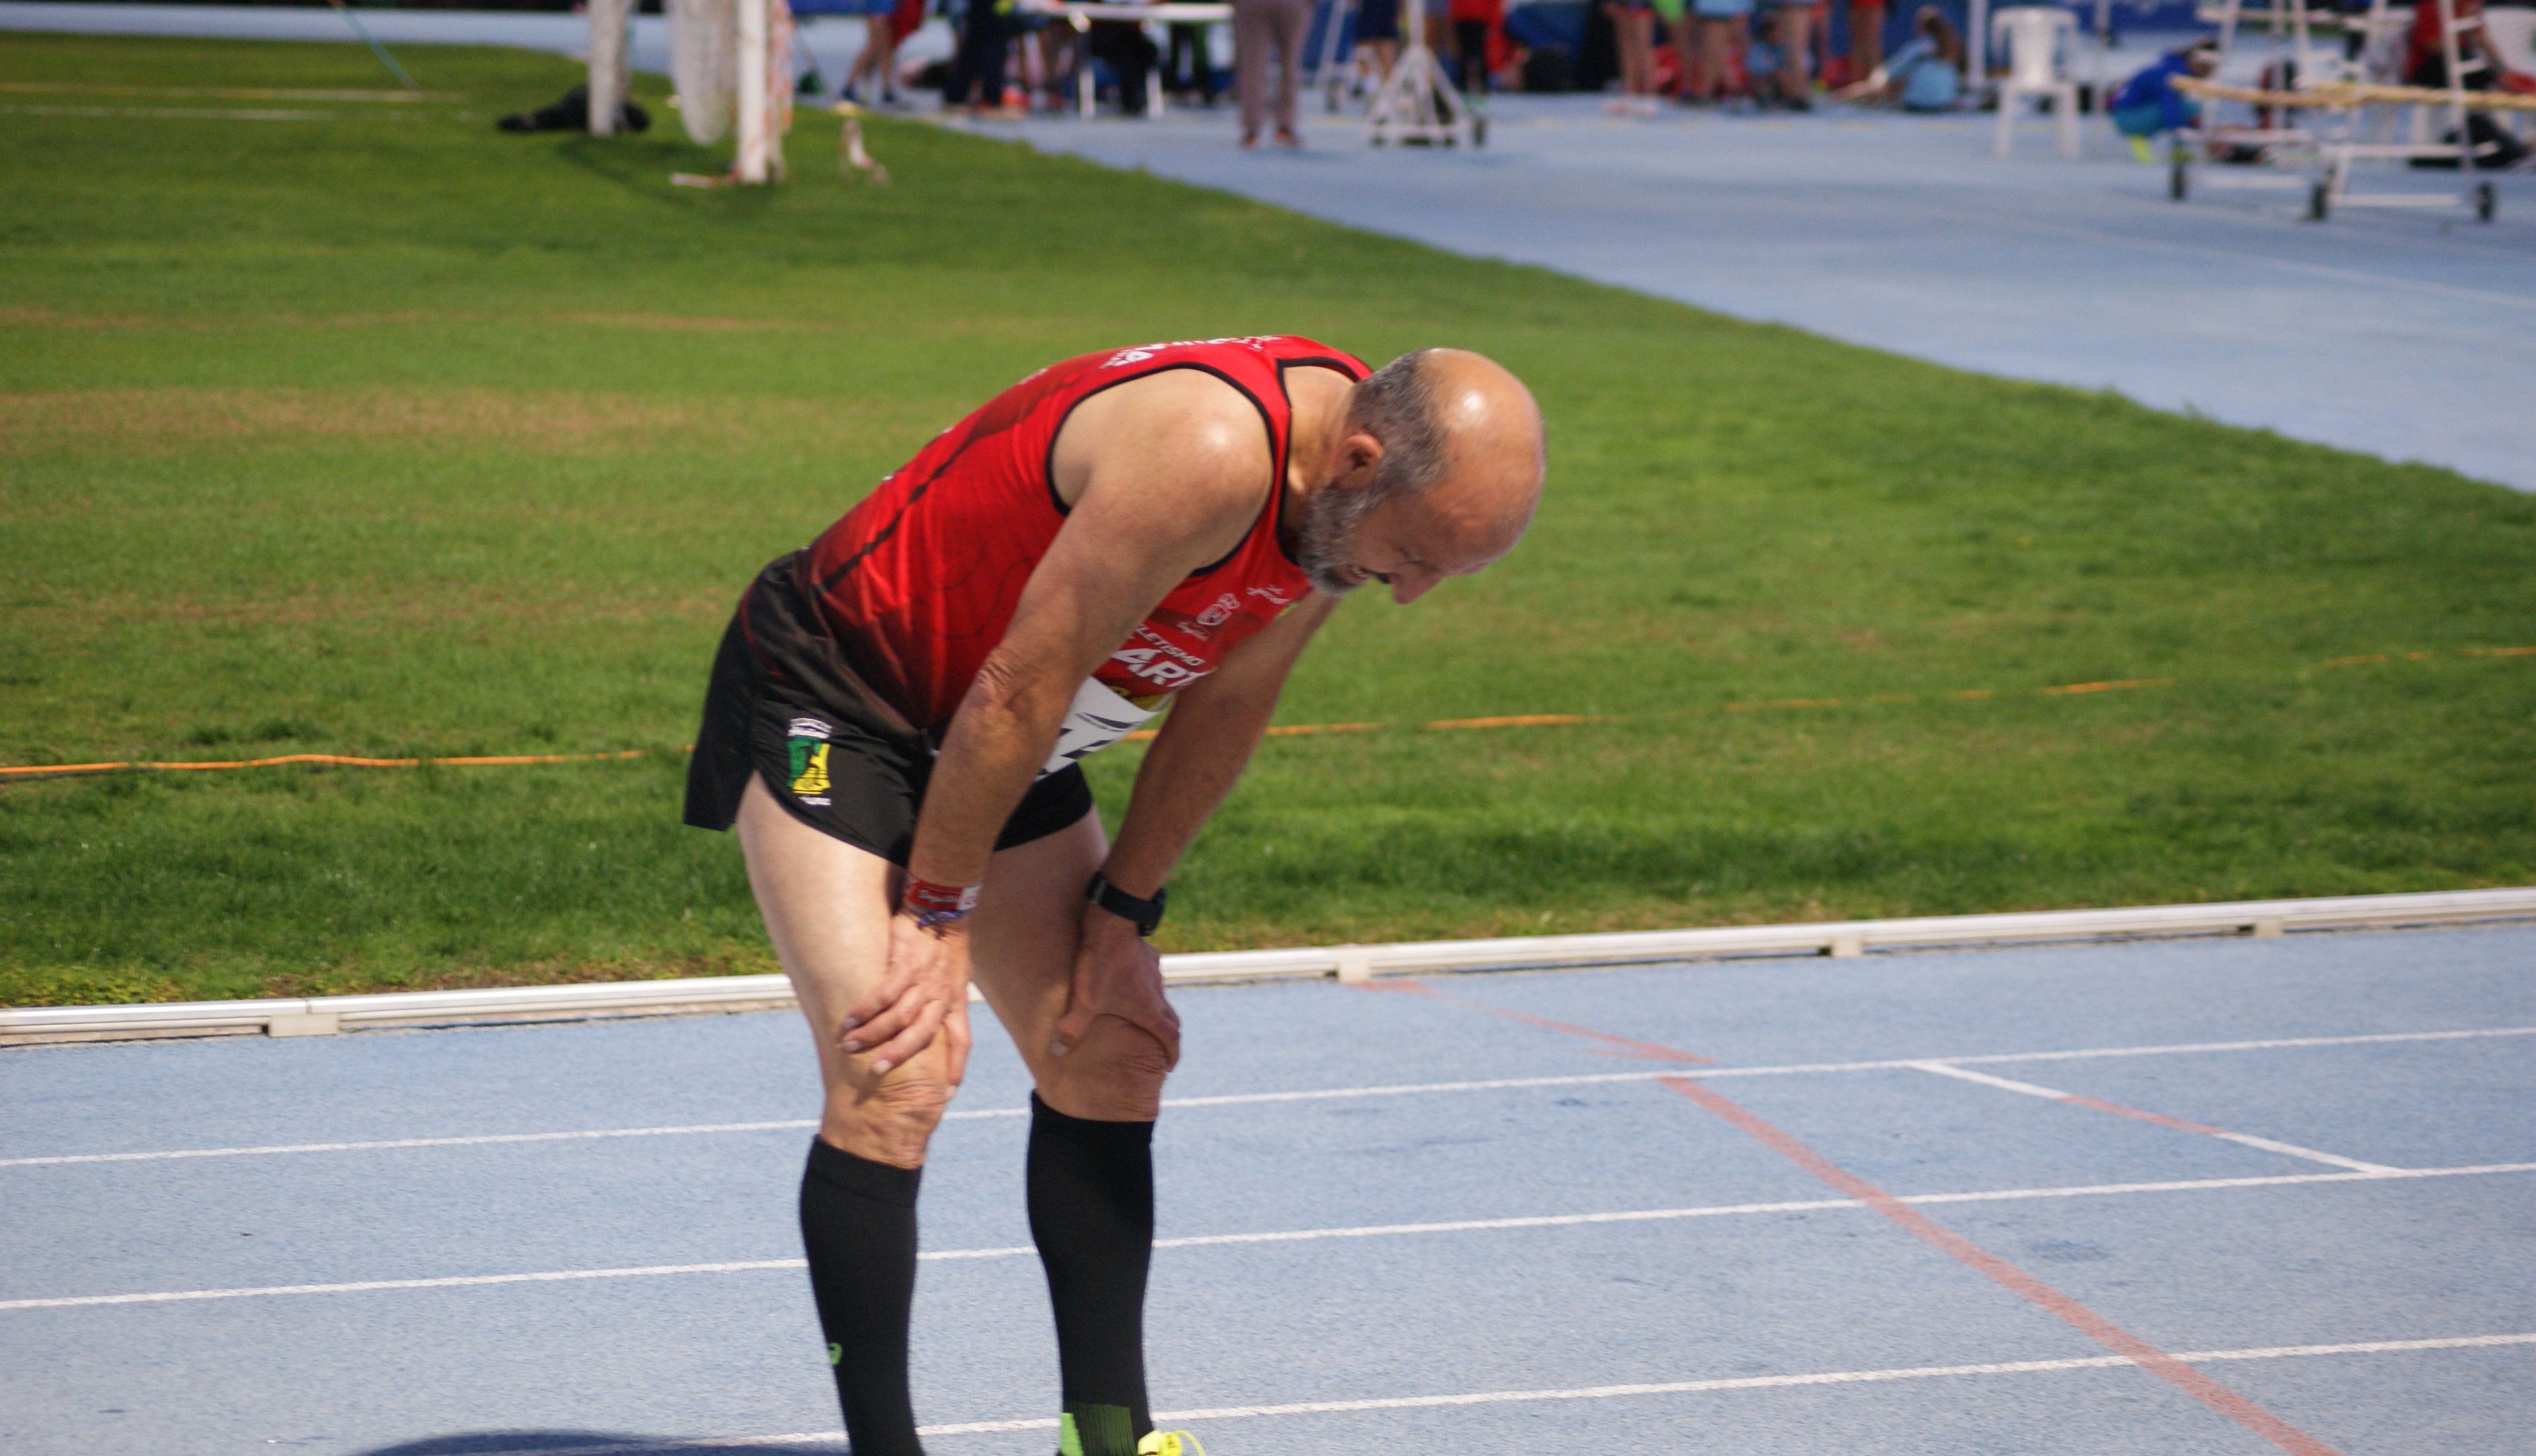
[427,442]
[1141,735]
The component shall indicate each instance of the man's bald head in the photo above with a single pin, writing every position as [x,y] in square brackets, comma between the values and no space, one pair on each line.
[1441,450]
[1448,416]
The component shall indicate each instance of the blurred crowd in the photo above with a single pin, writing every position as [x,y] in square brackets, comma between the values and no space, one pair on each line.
[1016,57]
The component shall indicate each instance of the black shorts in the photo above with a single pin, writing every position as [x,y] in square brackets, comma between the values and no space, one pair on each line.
[785,706]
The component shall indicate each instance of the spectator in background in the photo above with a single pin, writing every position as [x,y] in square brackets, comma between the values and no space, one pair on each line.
[1722,26]
[2480,68]
[2148,105]
[1474,23]
[1634,26]
[1866,37]
[1057,62]
[1671,25]
[1792,25]
[1258,27]
[977,66]
[1129,52]
[1187,66]
[1378,37]
[878,63]
[1925,74]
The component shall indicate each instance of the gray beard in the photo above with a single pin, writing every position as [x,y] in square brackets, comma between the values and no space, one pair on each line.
[1321,539]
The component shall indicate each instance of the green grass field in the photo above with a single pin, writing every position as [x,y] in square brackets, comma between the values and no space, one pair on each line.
[376,432]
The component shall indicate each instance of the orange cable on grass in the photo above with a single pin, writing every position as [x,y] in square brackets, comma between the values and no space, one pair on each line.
[2106,688]
[1784,703]
[1523,719]
[1290,730]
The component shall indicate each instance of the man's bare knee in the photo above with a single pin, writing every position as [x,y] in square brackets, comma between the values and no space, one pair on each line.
[890,1122]
[1115,1074]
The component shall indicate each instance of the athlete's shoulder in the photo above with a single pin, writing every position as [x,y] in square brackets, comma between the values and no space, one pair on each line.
[1265,352]
[1197,416]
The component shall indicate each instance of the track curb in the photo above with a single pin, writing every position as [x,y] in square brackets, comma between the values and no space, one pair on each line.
[328,1015]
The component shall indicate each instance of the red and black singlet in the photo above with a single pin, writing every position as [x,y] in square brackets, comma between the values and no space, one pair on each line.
[919,583]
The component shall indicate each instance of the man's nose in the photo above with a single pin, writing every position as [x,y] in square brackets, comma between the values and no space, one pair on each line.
[1411,583]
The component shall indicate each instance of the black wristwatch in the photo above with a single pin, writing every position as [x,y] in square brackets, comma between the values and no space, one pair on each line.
[1144,915]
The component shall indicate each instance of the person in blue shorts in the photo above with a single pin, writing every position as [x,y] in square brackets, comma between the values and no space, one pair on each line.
[1377,35]
[2148,105]
[1791,24]
[877,66]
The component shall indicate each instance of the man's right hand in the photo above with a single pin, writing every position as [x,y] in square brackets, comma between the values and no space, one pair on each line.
[923,992]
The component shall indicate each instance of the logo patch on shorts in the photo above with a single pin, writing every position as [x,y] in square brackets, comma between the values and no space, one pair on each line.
[809,741]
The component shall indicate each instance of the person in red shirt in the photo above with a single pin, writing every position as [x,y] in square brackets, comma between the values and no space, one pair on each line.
[1475,29]
[895,720]
[2479,67]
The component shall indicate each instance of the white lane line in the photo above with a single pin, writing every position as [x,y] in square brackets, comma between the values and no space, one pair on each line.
[1339,1094]
[368,1284]
[795,1124]
[1297,1236]
[1828,1378]
[2371,1039]
[1587,1392]
[2246,1139]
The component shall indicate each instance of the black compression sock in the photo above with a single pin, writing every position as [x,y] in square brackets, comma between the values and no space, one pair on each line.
[1091,1215]
[858,1223]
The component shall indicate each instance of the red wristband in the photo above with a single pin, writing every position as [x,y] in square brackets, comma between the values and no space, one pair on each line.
[937,906]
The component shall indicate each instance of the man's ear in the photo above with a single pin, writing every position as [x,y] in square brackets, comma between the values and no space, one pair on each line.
[1360,453]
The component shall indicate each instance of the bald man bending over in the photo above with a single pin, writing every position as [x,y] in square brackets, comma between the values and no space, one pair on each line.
[894,720]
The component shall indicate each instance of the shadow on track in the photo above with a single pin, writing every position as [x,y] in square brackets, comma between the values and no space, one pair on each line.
[582,1444]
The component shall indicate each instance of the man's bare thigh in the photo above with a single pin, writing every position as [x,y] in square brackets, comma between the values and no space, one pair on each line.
[828,903]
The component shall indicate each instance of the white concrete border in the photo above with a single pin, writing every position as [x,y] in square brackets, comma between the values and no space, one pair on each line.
[325,1015]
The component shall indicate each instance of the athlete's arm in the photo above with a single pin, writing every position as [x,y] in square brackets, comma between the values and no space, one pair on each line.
[1163,475]
[1206,741]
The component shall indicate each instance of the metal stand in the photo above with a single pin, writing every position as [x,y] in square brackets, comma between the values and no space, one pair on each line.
[1322,74]
[2333,189]
[2322,81]
[1418,106]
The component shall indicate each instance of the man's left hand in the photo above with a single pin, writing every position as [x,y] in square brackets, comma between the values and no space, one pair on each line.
[1116,972]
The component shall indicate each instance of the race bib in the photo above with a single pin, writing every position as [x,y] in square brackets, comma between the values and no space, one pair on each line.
[1098,719]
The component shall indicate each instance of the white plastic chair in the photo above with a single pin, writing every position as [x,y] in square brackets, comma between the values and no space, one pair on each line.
[2031,34]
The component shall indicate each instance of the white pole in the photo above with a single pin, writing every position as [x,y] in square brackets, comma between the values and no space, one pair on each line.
[1976,48]
[609,21]
[751,58]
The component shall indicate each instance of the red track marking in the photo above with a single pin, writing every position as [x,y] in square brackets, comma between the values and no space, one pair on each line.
[2160,1119]
[1647,1050]
[2095,1326]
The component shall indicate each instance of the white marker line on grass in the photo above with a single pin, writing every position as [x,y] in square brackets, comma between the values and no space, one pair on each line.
[173,113]
[2246,1139]
[1588,1392]
[1299,1236]
[1332,1094]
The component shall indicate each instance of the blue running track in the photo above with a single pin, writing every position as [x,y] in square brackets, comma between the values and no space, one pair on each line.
[1958,1202]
